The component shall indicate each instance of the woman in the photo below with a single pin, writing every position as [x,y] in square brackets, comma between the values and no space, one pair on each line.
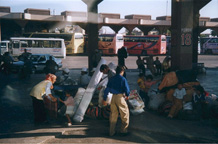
[38,92]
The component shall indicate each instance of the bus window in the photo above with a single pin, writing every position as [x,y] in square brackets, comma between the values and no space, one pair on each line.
[119,38]
[23,44]
[78,36]
[46,44]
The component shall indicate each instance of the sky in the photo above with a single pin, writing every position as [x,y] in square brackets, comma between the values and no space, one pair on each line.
[154,8]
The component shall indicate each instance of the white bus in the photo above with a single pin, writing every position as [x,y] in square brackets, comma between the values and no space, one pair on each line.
[5,46]
[209,45]
[74,42]
[53,46]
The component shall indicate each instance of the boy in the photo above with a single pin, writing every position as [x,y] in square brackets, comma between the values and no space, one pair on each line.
[178,100]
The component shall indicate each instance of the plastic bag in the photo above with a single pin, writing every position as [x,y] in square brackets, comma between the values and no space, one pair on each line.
[135,100]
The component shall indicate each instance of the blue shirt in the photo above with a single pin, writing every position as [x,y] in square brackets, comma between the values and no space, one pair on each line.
[117,85]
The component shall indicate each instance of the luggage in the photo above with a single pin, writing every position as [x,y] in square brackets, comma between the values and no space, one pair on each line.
[93,112]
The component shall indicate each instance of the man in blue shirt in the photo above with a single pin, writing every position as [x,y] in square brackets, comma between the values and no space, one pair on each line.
[119,87]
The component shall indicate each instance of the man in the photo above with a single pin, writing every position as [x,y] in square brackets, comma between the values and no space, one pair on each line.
[84,78]
[140,64]
[122,54]
[25,55]
[50,66]
[106,70]
[119,87]
[157,64]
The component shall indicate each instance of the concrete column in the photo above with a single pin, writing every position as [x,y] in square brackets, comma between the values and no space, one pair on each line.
[216,30]
[92,28]
[185,30]
[145,29]
[116,28]
[196,16]
[182,34]
[130,28]
[0,31]
[162,29]
[22,24]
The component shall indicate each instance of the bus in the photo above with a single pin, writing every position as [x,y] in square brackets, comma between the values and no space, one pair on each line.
[74,42]
[53,46]
[108,44]
[5,46]
[145,45]
[209,45]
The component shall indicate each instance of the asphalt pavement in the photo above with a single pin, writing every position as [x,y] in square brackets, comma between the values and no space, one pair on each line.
[16,118]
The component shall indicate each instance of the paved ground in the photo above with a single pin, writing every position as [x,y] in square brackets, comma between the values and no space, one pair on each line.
[16,119]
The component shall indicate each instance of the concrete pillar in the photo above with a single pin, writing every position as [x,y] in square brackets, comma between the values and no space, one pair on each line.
[182,34]
[22,24]
[0,31]
[216,30]
[130,28]
[162,29]
[116,28]
[196,17]
[92,28]
[145,29]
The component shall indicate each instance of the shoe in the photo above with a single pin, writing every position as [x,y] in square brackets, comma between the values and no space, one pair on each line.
[69,124]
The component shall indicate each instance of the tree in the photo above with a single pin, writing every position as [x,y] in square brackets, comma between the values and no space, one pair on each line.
[213,33]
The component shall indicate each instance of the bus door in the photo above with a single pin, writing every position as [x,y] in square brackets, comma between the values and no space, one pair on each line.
[15,48]
[163,47]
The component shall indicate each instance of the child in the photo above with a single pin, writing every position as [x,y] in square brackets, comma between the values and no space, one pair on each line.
[177,101]
[69,102]
[141,84]
[148,83]
[198,100]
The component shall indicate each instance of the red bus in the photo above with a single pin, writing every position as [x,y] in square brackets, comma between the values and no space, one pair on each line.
[145,45]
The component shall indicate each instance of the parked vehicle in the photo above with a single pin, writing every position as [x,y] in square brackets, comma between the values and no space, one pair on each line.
[39,61]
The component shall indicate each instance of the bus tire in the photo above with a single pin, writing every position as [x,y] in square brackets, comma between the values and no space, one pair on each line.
[144,53]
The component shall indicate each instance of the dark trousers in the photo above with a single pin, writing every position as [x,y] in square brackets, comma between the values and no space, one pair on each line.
[39,111]
[144,97]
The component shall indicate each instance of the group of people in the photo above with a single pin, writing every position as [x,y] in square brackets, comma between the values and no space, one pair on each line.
[198,101]
[155,67]
[117,85]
